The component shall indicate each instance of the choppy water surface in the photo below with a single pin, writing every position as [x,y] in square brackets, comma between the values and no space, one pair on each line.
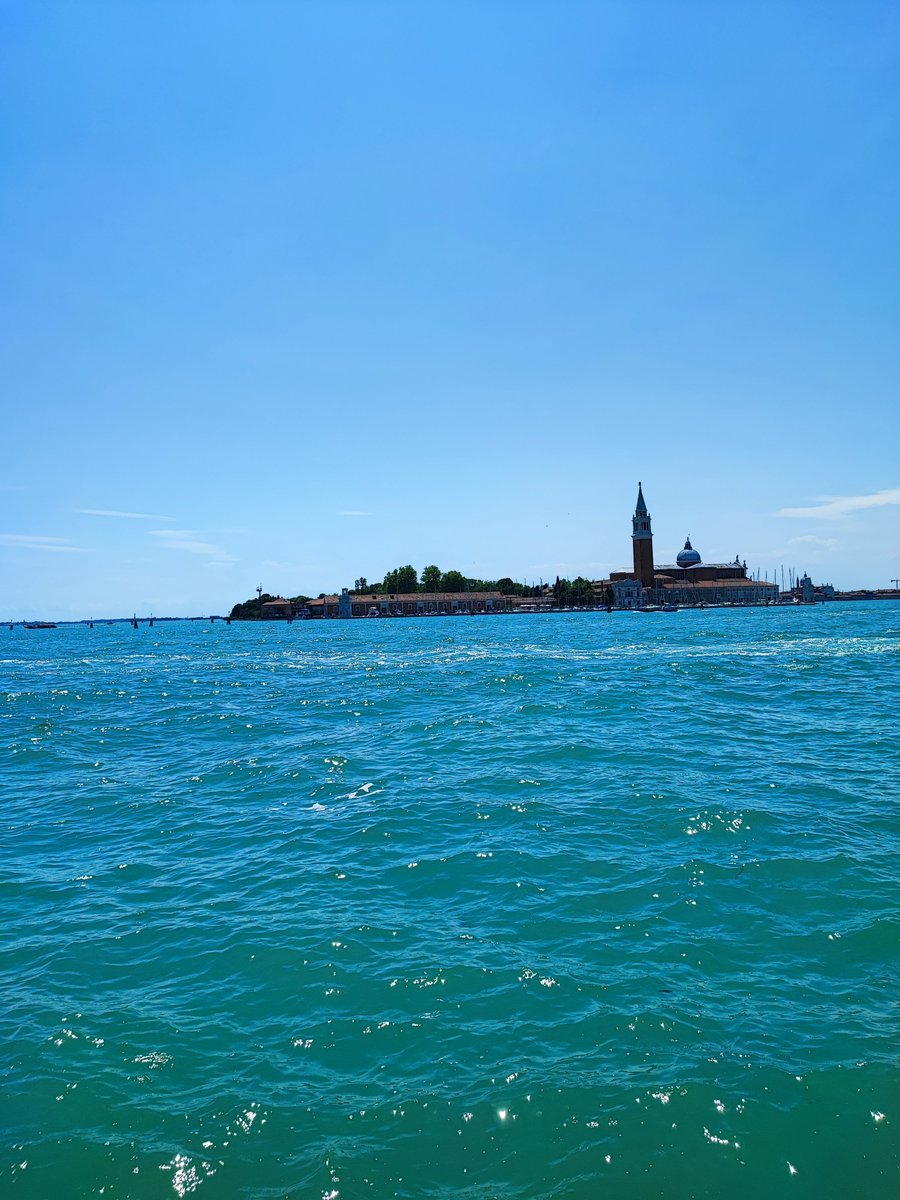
[539,906]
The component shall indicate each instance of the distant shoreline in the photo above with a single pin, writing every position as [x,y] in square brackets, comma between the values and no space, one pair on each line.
[49,622]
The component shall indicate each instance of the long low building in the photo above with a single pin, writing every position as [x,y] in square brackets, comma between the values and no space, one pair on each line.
[280,609]
[408,604]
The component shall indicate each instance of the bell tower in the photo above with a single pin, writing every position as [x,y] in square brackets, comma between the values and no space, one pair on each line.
[642,542]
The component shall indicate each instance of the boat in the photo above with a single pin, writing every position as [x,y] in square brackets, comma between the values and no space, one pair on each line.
[39,625]
[670,608]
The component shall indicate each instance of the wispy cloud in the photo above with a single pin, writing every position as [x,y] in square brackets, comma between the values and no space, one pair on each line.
[352,512]
[28,541]
[833,508]
[126,516]
[188,541]
[810,539]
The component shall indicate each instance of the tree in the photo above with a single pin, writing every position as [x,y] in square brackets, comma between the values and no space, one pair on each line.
[250,610]
[431,579]
[453,581]
[361,584]
[581,591]
[508,586]
[401,579]
[407,579]
[569,592]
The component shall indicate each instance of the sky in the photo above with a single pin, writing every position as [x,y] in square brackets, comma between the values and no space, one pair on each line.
[292,293]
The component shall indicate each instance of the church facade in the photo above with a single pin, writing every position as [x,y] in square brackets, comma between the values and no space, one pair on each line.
[687,581]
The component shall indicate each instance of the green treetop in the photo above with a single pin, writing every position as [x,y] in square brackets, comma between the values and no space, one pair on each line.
[402,579]
[431,579]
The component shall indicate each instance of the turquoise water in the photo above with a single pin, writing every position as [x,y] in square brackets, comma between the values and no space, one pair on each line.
[583,905]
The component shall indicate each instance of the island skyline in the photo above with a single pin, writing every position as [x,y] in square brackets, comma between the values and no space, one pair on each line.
[784,576]
[688,581]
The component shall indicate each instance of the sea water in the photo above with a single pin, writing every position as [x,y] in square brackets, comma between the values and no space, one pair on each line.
[576,905]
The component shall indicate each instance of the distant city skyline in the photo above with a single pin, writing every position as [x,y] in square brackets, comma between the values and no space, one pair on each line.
[296,294]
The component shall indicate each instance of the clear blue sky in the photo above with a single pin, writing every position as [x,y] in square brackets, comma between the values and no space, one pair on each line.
[312,290]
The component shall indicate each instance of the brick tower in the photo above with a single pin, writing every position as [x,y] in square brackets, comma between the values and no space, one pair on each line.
[642,541]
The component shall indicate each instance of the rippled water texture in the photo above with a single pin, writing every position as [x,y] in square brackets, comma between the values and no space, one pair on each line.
[539,906]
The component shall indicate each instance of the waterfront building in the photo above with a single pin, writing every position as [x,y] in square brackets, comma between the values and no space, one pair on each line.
[407,604]
[544,602]
[280,609]
[807,592]
[627,593]
[686,581]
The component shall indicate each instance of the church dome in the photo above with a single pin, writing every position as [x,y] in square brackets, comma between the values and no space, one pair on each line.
[688,557]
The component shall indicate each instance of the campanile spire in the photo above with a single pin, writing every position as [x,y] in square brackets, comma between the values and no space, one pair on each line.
[642,541]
